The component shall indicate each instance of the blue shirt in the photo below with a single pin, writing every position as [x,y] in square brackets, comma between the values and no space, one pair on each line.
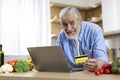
[91,42]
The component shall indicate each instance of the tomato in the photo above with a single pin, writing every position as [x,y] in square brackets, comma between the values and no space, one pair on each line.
[12,62]
[97,71]
[107,71]
[107,66]
[101,70]
[119,72]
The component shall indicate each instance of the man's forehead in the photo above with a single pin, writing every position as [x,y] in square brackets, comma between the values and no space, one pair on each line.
[68,15]
[68,18]
[67,21]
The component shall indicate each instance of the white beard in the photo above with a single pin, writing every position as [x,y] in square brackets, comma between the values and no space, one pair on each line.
[75,36]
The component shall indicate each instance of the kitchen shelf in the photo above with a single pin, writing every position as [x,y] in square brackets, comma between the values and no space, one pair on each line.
[112,33]
[95,19]
[54,35]
[55,19]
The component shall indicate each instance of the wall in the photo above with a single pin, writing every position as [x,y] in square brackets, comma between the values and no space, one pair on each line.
[111,22]
[111,17]
[118,11]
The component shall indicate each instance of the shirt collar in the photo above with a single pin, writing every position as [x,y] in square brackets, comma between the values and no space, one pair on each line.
[81,32]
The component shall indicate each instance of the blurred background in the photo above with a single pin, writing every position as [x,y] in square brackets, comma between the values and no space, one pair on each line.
[29,23]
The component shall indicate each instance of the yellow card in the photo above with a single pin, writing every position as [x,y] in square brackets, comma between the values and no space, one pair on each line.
[81,59]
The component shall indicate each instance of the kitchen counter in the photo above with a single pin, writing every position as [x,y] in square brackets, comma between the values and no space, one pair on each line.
[81,75]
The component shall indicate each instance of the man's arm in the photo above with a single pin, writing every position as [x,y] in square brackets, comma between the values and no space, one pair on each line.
[98,51]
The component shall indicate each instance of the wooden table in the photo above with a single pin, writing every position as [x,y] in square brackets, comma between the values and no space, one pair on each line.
[82,75]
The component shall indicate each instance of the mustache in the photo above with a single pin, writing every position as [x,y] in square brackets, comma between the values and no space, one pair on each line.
[70,31]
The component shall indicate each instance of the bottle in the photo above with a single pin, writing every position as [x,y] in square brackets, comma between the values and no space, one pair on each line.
[1,56]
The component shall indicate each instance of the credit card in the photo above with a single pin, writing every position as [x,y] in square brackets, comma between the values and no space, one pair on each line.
[81,59]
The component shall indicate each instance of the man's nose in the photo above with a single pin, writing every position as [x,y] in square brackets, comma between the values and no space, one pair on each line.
[69,27]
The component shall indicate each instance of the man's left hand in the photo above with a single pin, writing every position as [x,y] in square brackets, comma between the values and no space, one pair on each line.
[91,64]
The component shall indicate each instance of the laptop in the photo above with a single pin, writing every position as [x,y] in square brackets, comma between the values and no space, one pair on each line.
[50,59]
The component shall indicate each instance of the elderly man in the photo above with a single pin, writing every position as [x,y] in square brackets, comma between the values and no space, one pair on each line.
[79,37]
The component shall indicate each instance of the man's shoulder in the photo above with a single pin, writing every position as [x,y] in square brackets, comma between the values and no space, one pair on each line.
[61,34]
[61,31]
[90,26]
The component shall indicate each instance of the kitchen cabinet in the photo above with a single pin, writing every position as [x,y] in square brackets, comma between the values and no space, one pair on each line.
[95,15]
[112,33]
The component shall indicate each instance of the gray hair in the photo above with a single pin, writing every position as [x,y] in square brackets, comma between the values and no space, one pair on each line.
[69,10]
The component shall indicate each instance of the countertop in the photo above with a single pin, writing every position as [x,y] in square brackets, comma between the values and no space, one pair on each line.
[81,75]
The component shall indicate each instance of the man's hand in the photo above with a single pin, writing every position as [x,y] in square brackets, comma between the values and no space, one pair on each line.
[92,64]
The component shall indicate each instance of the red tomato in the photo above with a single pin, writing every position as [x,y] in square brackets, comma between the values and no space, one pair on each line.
[97,71]
[12,62]
[119,72]
[101,70]
[107,66]
[107,71]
